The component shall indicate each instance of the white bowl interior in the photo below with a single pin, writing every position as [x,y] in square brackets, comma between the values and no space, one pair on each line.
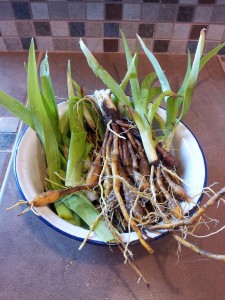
[29,169]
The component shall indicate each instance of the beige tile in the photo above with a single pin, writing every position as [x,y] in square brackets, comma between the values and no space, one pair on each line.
[94,29]
[95,44]
[215,32]
[181,31]
[59,28]
[178,47]
[131,44]
[8,28]
[163,30]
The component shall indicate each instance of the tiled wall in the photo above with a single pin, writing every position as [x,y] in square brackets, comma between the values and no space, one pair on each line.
[166,25]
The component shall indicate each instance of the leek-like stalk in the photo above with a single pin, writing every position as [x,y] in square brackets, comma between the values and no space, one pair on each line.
[78,147]
[80,204]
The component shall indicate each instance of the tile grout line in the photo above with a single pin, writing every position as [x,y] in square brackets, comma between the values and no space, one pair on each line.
[18,134]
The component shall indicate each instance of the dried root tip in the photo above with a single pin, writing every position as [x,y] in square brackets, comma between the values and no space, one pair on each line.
[19,203]
[177,189]
[196,249]
[172,203]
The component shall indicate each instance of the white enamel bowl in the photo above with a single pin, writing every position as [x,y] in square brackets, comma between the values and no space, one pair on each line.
[29,170]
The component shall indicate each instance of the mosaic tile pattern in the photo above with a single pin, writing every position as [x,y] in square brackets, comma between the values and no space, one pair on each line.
[57,25]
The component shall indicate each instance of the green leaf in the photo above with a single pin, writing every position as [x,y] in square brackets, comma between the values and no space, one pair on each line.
[48,95]
[74,83]
[172,109]
[128,73]
[42,124]
[81,205]
[155,106]
[134,82]
[16,108]
[209,55]
[104,75]
[190,86]
[162,78]
[185,81]
[76,112]
[147,91]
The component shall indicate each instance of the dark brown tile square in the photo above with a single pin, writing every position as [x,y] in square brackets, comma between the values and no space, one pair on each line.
[146,30]
[113,11]
[110,45]
[185,13]
[42,28]
[195,31]
[161,45]
[207,1]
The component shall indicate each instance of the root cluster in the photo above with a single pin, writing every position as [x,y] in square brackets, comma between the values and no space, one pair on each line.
[136,196]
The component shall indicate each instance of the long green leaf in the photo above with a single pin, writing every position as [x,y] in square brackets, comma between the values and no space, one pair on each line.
[48,96]
[104,75]
[42,124]
[209,55]
[146,89]
[185,81]
[74,83]
[76,112]
[162,78]
[134,82]
[128,74]
[193,76]
[89,213]
[16,108]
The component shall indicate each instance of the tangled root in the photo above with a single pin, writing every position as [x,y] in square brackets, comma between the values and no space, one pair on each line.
[142,198]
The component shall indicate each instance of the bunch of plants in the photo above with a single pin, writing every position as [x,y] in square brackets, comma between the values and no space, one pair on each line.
[109,167]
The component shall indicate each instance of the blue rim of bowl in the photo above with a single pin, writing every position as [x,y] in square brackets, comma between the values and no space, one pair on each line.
[101,243]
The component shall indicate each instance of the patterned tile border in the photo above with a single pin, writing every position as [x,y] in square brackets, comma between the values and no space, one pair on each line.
[56,25]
